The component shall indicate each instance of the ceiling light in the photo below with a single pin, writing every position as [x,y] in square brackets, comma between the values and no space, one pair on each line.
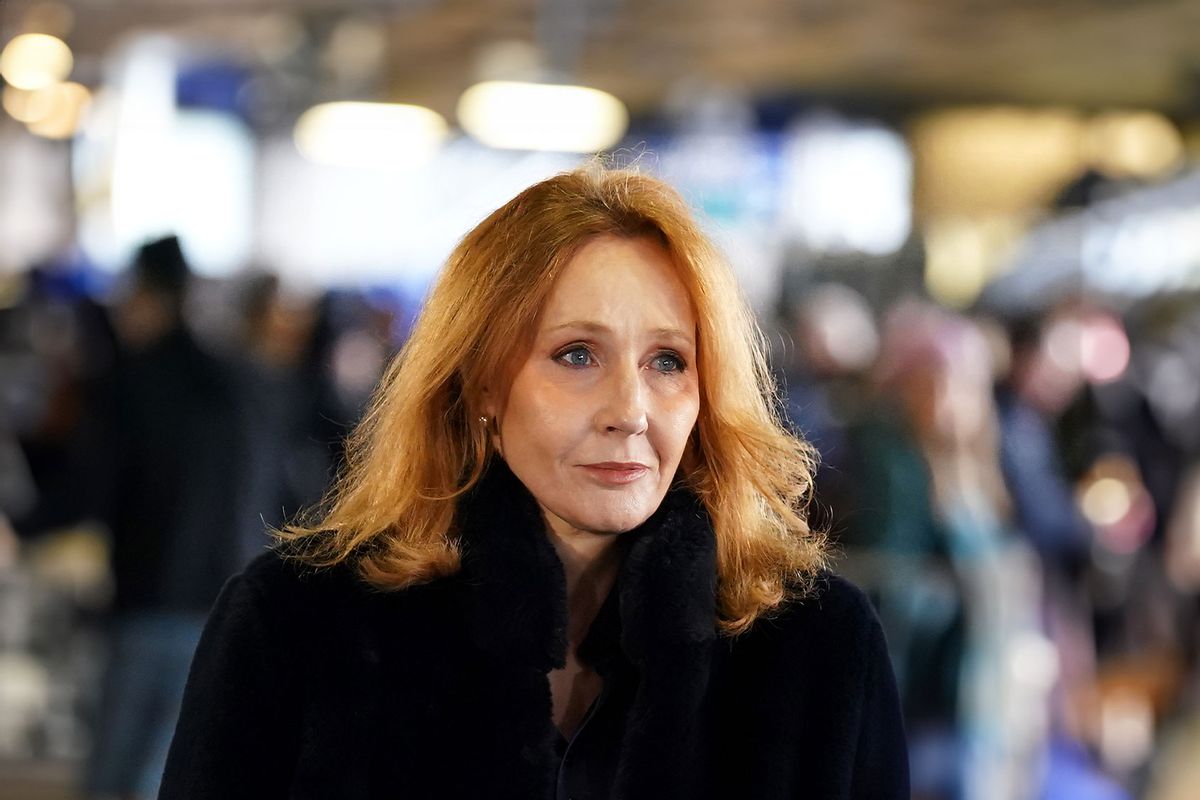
[35,60]
[369,134]
[1135,144]
[540,116]
[25,105]
[67,102]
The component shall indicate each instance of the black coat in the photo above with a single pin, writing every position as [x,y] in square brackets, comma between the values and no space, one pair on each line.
[173,494]
[311,685]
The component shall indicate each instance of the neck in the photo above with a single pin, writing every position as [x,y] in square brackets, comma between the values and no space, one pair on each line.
[590,563]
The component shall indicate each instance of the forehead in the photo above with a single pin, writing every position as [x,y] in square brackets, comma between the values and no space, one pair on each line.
[616,280]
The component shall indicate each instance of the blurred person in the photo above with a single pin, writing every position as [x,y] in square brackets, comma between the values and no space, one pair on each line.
[289,459]
[957,591]
[1126,467]
[1036,390]
[568,557]
[1041,382]
[57,345]
[170,494]
[834,342]
[346,352]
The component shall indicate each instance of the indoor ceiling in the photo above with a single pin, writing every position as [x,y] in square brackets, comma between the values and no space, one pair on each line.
[1085,53]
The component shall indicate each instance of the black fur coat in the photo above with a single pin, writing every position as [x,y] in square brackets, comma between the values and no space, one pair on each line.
[311,685]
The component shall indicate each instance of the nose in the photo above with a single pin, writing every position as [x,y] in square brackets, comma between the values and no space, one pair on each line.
[624,405]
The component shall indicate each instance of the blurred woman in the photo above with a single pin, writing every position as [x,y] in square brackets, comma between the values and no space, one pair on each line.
[958,590]
[567,558]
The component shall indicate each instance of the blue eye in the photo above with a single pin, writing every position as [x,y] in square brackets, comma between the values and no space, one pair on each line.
[668,362]
[577,356]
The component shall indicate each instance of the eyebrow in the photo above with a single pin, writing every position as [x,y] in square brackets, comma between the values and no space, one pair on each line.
[596,327]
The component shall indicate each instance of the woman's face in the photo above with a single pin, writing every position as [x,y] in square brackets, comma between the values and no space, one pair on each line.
[600,410]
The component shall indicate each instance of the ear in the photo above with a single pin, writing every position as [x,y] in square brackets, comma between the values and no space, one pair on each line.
[491,411]
[488,405]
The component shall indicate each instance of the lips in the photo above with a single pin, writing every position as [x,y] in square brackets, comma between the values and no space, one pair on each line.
[615,473]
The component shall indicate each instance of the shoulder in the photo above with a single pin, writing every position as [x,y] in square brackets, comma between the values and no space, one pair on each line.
[279,571]
[282,591]
[822,656]
[817,674]
[316,603]
[274,569]
[831,602]
[832,626]
[284,617]
[836,603]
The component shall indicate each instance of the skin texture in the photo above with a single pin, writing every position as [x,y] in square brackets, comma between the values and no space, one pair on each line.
[610,380]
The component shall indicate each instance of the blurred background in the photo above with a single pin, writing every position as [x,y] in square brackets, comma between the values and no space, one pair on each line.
[971,229]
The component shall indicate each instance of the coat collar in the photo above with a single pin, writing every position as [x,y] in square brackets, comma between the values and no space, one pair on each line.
[515,590]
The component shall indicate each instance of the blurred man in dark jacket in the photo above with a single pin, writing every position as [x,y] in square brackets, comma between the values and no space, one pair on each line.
[170,500]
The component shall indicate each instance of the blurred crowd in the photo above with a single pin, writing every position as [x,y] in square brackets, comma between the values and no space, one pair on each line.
[1019,494]
[150,442]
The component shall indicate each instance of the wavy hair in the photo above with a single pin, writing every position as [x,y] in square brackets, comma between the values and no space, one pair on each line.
[420,445]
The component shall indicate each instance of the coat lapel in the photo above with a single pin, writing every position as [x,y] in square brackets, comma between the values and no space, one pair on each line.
[668,629]
[513,597]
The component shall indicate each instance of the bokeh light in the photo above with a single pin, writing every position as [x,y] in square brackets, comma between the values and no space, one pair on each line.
[352,134]
[29,105]
[35,60]
[538,116]
[1142,144]
[1104,349]
[66,105]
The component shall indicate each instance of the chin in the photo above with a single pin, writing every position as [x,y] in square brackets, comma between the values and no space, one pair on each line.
[612,521]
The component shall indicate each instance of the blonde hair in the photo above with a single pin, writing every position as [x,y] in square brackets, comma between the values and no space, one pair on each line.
[421,444]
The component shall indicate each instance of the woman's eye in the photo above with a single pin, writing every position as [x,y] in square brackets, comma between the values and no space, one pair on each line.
[668,362]
[575,357]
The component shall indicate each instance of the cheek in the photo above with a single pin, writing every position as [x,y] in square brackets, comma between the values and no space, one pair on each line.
[676,420]
[541,421]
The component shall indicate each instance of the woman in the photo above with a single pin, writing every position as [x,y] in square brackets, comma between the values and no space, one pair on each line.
[567,557]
